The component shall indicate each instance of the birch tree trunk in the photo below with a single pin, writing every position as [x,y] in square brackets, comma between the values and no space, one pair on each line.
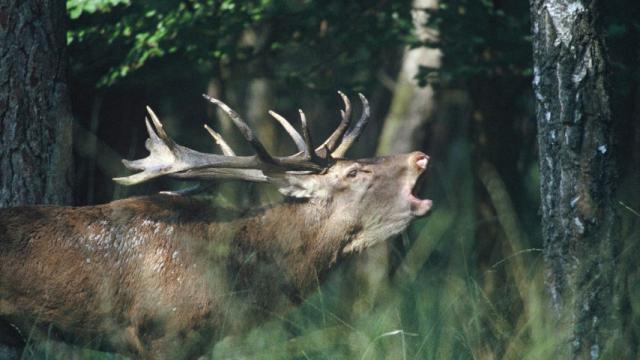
[412,105]
[577,173]
[35,117]
[411,108]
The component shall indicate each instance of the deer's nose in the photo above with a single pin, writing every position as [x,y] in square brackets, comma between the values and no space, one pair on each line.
[419,160]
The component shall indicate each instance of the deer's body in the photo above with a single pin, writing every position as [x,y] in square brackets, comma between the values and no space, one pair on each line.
[154,269]
[164,276]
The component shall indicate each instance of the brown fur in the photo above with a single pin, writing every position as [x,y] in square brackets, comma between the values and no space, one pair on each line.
[165,276]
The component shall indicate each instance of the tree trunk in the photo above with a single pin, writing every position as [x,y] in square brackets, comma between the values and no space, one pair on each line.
[577,173]
[411,108]
[35,117]
[412,105]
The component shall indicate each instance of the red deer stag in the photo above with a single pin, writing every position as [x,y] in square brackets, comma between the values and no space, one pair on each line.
[164,276]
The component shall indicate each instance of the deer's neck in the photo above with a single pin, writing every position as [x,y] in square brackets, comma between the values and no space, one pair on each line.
[303,240]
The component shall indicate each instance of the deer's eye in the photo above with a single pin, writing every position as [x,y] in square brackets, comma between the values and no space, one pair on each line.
[352,173]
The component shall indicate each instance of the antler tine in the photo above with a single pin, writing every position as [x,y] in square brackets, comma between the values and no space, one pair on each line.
[295,135]
[355,132]
[158,141]
[159,128]
[152,143]
[308,151]
[245,130]
[334,139]
[226,149]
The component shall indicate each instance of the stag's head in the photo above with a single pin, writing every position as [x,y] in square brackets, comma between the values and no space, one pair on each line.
[377,194]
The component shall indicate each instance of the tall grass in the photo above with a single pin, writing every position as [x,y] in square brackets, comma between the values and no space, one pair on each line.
[436,299]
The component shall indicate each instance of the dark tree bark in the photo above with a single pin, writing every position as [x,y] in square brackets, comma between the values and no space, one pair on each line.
[35,117]
[577,173]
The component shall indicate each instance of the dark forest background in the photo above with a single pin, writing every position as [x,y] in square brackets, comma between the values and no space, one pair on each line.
[452,78]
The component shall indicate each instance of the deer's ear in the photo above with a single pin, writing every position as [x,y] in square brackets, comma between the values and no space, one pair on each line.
[300,186]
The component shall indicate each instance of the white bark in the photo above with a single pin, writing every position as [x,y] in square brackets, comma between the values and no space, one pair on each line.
[412,106]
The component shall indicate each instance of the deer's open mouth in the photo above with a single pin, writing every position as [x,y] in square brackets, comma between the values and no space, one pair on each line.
[419,207]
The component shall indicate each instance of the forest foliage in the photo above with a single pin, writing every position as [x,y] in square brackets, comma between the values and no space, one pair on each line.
[290,41]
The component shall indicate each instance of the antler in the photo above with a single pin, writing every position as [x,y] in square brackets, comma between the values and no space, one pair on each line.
[334,139]
[353,134]
[167,158]
[337,144]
